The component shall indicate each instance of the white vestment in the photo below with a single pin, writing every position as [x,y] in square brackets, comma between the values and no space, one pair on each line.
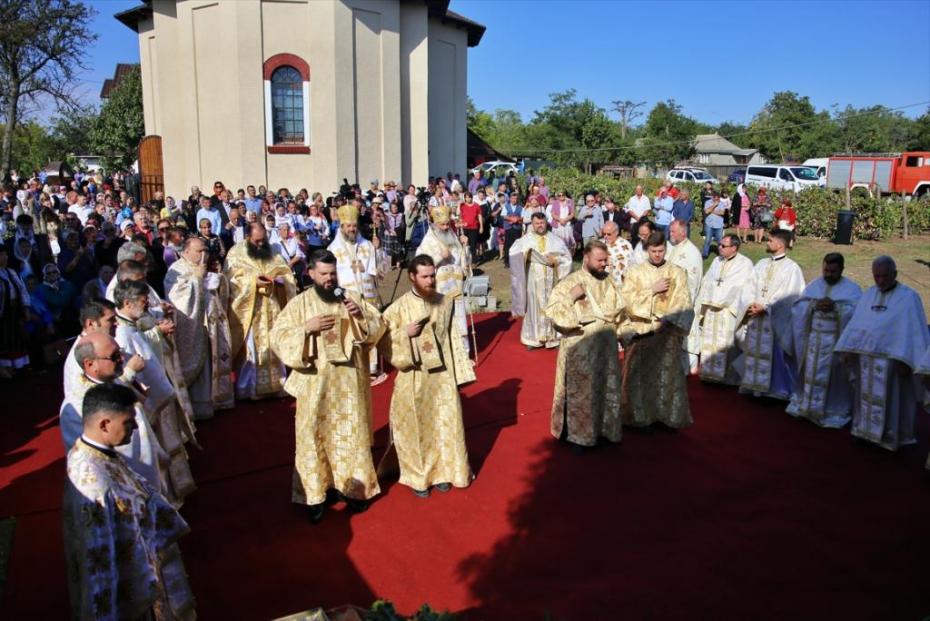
[721,301]
[143,453]
[823,392]
[767,337]
[451,271]
[888,334]
[356,266]
[687,256]
[532,285]
[190,297]
[618,259]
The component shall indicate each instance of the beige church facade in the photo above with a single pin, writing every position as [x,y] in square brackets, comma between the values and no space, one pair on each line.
[300,94]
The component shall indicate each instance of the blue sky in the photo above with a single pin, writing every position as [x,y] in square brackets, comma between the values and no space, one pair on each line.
[720,60]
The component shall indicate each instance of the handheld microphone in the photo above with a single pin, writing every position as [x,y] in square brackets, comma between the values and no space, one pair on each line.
[340,294]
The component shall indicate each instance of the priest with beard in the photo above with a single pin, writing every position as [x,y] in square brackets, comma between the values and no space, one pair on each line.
[424,345]
[326,335]
[658,318]
[356,266]
[768,368]
[586,308]
[449,252]
[538,261]
[261,284]
[822,394]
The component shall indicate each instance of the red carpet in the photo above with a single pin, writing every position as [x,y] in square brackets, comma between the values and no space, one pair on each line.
[747,514]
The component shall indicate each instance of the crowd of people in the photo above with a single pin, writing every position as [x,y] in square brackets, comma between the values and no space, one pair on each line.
[182,308]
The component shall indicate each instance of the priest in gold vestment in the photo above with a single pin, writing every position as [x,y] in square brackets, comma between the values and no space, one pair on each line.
[658,318]
[260,284]
[586,308]
[424,345]
[325,335]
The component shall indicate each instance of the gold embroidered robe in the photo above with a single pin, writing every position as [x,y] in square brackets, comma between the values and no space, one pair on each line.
[252,313]
[653,383]
[329,379]
[121,543]
[587,376]
[426,411]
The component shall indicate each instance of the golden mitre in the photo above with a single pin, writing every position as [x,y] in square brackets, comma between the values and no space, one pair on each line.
[441,214]
[348,214]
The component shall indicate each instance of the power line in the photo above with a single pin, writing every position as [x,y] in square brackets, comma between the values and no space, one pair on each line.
[745,133]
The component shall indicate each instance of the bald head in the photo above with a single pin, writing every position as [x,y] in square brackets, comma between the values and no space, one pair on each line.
[98,354]
[884,272]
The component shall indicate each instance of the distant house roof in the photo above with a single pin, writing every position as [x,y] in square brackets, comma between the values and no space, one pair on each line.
[122,69]
[715,143]
[437,8]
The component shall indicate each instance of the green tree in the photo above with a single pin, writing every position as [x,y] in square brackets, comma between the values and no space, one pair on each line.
[874,129]
[42,44]
[121,124]
[920,133]
[667,135]
[71,131]
[479,121]
[32,147]
[779,129]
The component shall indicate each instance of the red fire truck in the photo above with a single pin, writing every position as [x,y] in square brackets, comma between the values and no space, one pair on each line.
[884,173]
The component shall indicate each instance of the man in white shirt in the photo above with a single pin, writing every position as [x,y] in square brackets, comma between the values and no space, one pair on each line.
[638,207]
[713,222]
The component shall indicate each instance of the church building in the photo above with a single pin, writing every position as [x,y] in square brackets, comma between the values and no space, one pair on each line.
[302,93]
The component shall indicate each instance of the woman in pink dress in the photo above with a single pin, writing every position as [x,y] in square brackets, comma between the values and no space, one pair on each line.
[560,214]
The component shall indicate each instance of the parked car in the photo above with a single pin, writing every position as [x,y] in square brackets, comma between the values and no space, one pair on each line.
[782,176]
[496,166]
[690,175]
[737,176]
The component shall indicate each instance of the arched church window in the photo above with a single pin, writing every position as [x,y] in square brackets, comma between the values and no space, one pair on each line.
[287,106]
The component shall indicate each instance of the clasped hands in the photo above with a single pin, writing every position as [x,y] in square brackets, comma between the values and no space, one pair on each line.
[756,309]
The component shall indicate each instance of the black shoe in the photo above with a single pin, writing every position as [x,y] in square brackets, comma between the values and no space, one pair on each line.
[316,512]
[357,506]
[530,348]
[332,497]
[421,493]
[443,487]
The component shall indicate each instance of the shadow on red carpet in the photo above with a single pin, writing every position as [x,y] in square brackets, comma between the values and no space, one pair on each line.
[747,514]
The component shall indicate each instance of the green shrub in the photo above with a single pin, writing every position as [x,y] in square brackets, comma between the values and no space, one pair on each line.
[876,218]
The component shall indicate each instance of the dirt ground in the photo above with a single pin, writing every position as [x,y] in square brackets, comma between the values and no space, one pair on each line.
[912,257]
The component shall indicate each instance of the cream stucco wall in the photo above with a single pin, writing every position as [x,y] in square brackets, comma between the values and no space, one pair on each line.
[448,51]
[379,72]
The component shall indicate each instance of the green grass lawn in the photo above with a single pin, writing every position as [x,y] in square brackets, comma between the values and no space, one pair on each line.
[912,257]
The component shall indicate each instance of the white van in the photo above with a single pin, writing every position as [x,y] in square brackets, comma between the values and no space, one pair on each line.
[819,164]
[782,176]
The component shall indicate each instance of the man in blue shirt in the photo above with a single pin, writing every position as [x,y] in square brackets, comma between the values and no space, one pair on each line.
[512,214]
[208,211]
[252,202]
[683,209]
[592,219]
[662,207]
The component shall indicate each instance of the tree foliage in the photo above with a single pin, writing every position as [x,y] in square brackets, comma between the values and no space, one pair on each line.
[121,124]
[42,44]
[574,132]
